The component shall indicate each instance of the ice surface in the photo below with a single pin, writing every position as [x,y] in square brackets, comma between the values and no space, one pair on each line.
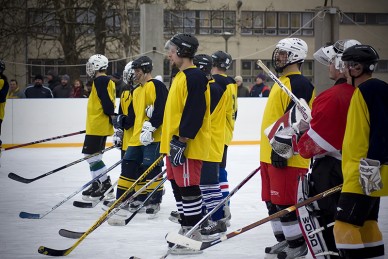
[142,237]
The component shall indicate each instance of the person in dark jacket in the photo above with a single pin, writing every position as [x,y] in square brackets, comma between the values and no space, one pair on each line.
[53,79]
[260,89]
[38,90]
[64,89]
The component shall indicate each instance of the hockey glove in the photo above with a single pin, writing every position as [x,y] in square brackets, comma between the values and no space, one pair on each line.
[177,148]
[370,178]
[146,133]
[118,121]
[285,142]
[118,138]
[278,161]
[149,111]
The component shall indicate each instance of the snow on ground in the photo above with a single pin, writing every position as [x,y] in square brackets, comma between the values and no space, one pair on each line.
[142,237]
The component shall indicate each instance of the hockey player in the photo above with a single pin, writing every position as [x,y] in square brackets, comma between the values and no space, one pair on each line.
[101,105]
[209,184]
[121,136]
[323,141]
[364,158]
[222,62]
[4,87]
[280,175]
[186,132]
[145,114]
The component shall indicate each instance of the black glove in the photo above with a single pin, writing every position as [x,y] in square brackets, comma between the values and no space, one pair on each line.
[177,148]
[118,121]
[278,161]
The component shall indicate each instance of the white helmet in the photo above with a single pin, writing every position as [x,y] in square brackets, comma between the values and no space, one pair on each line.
[95,63]
[339,64]
[296,52]
[128,73]
[333,53]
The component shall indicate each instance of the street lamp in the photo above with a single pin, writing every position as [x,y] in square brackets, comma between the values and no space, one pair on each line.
[226,35]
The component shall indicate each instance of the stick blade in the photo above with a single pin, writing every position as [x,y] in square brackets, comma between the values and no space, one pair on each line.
[81,204]
[183,241]
[52,252]
[116,222]
[70,234]
[18,178]
[27,215]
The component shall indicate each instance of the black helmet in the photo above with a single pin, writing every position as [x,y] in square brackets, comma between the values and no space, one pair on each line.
[203,62]
[2,66]
[144,63]
[186,44]
[221,59]
[361,54]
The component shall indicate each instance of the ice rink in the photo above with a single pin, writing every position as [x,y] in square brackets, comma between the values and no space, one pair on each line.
[142,237]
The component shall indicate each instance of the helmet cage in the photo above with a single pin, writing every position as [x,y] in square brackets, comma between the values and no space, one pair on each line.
[128,73]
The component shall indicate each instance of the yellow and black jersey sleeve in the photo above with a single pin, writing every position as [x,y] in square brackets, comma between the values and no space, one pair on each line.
[218,121]
[125,101]
[187,113]
[4,88]
[101,104]
[231,104]
[366,134]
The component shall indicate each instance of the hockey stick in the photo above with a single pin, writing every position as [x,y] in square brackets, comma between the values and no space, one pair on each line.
[27,180]
[198,245]
[27,215]
[76,235]
[92,204]
[121,222]
[45,140]
[219,205]
[304,110]
[63,252]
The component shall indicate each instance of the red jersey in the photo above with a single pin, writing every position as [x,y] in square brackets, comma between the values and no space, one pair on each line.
[327,126]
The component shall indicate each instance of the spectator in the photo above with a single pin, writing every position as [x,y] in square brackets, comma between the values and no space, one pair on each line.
[259,89]
[14,90]
[242,91]
[120,84]
[78,90]
[52,79]
[64,89]
[38,90]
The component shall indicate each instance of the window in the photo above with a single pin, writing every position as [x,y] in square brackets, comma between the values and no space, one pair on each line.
[382,66]
[113,21]
[307,24]
[365,18]
[43,21]
[134,21]
[307,69]
[199,22]
[249,70]
[276,23]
